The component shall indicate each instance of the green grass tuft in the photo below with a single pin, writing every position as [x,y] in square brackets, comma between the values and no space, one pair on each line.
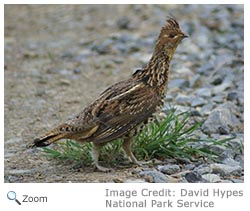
[175,138]
[70,151]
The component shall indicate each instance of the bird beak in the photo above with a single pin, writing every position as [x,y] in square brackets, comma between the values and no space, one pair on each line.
[184,36]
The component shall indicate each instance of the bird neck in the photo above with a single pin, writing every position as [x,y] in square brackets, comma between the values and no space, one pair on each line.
[155,74]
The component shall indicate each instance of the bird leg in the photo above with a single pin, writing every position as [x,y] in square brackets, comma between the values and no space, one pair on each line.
[95,156]
[126,145]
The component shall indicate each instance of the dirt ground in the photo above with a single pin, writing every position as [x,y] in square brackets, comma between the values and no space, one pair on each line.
[46,81]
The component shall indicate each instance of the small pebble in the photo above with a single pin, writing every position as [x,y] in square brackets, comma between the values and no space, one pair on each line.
[169,169]
[211,178]
[194,177]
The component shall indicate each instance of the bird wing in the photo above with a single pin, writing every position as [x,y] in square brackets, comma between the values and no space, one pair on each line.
[118,113]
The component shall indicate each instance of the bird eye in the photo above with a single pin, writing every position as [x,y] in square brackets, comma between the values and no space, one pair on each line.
[172,35]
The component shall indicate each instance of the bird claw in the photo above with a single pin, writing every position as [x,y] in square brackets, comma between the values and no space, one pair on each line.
[103,169]
[143,163]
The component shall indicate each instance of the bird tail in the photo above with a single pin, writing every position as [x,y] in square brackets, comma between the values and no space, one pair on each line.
[63,131]
[49,138]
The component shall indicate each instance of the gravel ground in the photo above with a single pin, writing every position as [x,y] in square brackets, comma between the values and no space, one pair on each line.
[59,58]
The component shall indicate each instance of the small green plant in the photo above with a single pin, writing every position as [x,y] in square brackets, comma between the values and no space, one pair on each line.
[70,151]
[175,138]
[170,138]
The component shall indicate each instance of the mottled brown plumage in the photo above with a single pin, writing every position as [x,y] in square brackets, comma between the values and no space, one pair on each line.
[121,110]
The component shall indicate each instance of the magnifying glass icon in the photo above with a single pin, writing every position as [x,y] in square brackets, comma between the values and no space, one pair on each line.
[11,195]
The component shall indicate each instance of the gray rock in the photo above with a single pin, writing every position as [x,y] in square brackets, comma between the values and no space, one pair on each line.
[154,176]
[14,179]
[206,109]
[196,81]
[77,70]
[231,96]
[195,112]
[225,170]
[223,130]
[123,22]
[217,81]
[178,83]
[222,62]
[148,41]
[102,48]
[183,180]
[231,107]
[180,109]
[211,178]
[203,170]
[230,162]
[220,88]
[198,101]
[204,92]
[219,118]
[122,48]
[206,68]
[169,169]
[202,39]
[189,167]
[240,159]
[83,55]
[237,180]
[182,99]
[219,98]
[184,72]
[133,47]
[221,151]
[193,177]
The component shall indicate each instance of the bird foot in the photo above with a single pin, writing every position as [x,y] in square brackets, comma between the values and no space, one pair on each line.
[143,163]
[103,169]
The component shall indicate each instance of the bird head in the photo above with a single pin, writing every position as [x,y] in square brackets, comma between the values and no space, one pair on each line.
[170,36]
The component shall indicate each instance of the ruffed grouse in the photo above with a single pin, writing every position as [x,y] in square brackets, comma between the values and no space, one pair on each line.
[123,108]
